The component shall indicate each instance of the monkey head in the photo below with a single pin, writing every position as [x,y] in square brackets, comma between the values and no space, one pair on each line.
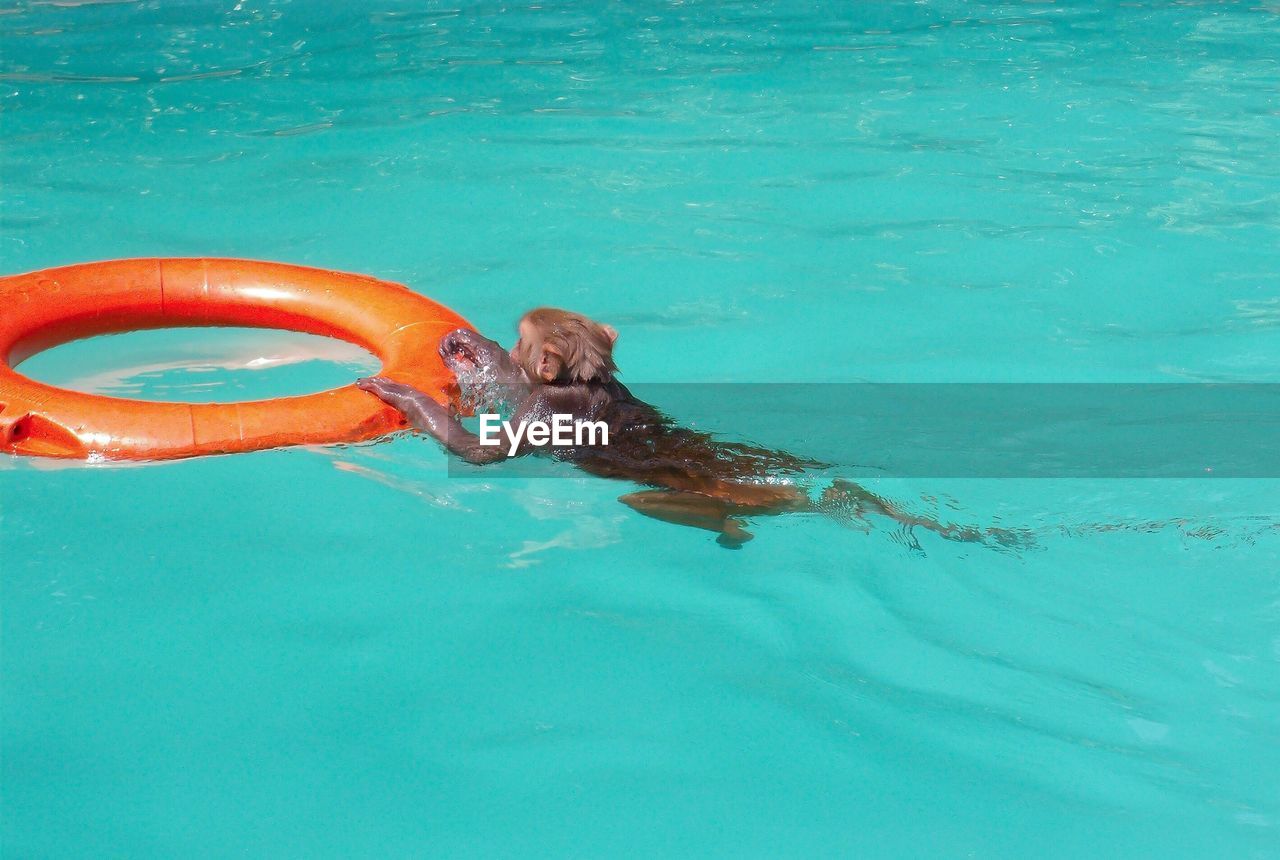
[560,347]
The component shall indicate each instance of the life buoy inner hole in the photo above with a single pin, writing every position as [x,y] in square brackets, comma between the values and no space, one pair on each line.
[205,364]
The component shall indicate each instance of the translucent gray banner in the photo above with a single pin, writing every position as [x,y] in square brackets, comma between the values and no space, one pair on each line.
[962,430]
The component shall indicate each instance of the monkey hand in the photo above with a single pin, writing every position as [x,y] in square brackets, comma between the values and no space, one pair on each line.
[421,411]
[390,391]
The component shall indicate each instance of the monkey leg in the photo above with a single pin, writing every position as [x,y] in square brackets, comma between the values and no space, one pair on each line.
[691,509]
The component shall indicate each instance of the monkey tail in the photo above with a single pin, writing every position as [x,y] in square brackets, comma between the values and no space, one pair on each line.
[852,506]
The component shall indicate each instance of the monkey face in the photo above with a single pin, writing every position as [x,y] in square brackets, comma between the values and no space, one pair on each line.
[470,355]
[463,349]
[488,380]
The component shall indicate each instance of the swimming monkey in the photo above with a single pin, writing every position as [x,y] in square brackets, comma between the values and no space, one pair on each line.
[562,364]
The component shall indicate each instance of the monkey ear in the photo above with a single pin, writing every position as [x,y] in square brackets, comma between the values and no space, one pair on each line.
[550,363]
[611,333]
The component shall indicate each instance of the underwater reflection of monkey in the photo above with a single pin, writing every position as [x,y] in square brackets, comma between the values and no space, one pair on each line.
[562,364]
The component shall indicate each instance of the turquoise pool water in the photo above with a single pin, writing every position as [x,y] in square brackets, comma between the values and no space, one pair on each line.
[352,652]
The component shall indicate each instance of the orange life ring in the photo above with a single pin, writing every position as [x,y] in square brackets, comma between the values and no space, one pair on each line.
[41,309]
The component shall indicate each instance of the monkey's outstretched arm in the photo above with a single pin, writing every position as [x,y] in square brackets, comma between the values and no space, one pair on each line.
[425,415]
